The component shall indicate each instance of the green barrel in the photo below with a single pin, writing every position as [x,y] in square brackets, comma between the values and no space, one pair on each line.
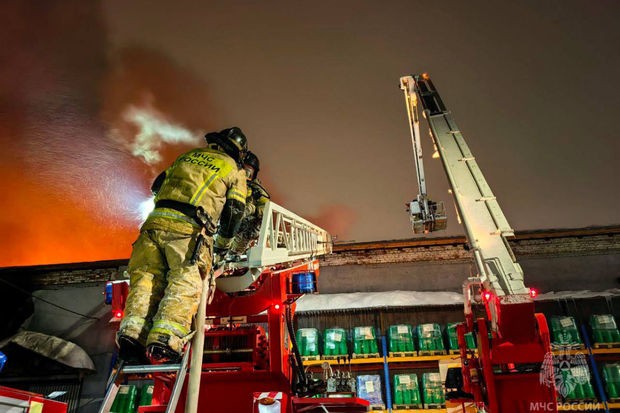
[335,342]
[588,391]
[146,395]
[406,389]
[308,341]
[564,331]
[429,337]
[611,375]
[604,328]
[453,340]
[364,340]
[433,388]
[401,338]
[578,382]
[470,340]
[126,399]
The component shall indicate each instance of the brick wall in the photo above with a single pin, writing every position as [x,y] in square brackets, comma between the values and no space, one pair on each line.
[585,259]
[78,277]
[550,244]
[405,257]
[49,276]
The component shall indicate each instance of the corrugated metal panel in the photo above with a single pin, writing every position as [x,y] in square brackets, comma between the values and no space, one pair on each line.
[379,318]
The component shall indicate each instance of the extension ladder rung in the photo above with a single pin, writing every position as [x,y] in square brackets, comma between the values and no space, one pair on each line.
[149,368]
[117,377]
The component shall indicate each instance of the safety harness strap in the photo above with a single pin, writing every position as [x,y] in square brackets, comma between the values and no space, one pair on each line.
[196,213]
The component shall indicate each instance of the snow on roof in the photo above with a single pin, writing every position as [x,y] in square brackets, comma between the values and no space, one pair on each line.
[330,302]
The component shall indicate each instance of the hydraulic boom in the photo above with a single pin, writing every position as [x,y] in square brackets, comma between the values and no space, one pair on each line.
[520,338]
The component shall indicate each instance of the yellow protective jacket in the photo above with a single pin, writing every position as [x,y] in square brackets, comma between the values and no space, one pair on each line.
[205,177]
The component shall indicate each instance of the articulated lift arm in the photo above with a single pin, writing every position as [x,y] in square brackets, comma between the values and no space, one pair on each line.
[520,338]
[485,225]
[426,216]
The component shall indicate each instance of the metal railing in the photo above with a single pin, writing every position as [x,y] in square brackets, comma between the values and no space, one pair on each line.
[285,237]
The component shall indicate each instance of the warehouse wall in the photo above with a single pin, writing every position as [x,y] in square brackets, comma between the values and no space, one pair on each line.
[551,261]
[547,273]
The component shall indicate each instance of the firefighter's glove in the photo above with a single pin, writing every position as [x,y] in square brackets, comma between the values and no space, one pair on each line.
[221,246]
[219,255]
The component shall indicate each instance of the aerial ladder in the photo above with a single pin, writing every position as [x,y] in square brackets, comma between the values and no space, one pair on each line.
[503,375]
[247,353]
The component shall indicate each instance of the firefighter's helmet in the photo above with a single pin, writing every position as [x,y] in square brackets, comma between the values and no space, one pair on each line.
[232,140]
[252,161]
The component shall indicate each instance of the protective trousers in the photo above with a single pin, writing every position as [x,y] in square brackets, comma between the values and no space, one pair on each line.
[165,287]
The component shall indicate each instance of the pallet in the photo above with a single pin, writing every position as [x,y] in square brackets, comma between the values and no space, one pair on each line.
[434,405]
[614,400]
[431,352]
[560,347]
[365,356]
[311,358]
[606,345]
[402,354]
[380,407]
[329,357]
[580,400]
[458,352]
[406,406]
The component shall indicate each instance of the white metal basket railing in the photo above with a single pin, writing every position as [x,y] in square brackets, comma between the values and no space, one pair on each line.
[285,237]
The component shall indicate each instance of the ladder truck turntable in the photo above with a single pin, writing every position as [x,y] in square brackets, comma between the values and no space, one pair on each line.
[504,374]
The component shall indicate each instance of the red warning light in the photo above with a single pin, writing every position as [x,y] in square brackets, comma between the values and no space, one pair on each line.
[533,293]
[487,295]
[118,314]
[276,306]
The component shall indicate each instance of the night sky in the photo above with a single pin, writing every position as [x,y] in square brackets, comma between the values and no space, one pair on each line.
[96,98]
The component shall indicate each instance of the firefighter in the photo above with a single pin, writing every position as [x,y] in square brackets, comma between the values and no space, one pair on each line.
[257,197]
[169,258]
